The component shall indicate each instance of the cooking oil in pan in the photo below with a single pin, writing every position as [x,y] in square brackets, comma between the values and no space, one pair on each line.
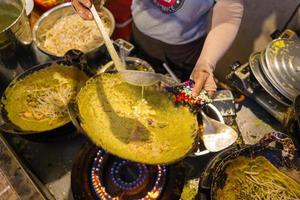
[143,92]
[139,105]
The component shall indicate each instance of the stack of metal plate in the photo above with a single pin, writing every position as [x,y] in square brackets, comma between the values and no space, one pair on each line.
[282,58]
[277,69]
[256,68]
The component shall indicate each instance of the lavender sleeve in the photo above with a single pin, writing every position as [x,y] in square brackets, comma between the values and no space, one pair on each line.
[226,19]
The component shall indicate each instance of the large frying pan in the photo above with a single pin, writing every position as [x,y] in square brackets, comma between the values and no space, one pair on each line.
[74,58]
[79,122]
[282,155]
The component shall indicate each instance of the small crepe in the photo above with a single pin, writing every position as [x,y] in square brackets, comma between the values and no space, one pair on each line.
[38,102]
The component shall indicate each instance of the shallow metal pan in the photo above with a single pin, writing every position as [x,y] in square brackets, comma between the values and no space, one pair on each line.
[281,156]
[74,58]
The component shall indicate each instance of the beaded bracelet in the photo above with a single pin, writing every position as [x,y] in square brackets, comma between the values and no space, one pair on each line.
[183,95]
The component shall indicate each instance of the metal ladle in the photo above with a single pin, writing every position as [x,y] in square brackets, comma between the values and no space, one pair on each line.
[134,77]
[216,135]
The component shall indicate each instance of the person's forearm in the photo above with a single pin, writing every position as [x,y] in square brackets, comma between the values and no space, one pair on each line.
[226,19]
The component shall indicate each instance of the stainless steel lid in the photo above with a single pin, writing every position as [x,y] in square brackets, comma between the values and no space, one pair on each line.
[255,66]
[282,57]
[266,72]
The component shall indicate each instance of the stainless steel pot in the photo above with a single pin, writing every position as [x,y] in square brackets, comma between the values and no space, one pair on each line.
[14,25]
[15,41]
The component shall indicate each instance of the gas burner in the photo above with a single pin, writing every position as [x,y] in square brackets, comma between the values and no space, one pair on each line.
[128,184]
[125,178]
[97,174]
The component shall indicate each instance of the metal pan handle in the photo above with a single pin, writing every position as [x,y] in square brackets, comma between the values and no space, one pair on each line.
[78,59]
[74,115]
[288,147]
[206,176]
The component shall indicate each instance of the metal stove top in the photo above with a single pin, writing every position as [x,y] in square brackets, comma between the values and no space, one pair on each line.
[14,181]
[49,164]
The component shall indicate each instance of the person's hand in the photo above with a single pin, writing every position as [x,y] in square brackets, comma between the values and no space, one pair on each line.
[82,8]
[204,79]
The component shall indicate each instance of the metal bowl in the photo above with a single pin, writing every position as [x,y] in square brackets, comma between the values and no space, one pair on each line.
[49,18]
[133,63]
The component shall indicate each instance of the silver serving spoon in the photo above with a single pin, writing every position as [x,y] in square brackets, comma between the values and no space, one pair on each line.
[216,135]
